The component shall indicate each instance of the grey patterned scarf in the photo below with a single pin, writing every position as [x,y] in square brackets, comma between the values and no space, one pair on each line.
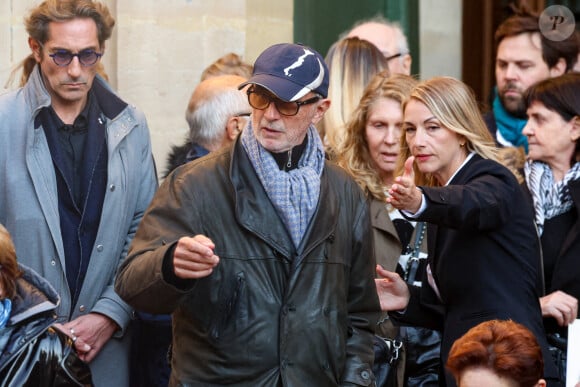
[550,199]
[294,193]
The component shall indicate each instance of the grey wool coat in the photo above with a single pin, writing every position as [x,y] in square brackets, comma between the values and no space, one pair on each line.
[29,209]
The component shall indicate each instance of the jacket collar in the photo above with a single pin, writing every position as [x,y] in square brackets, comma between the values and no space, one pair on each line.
[34,296]
[255,211]
[38,97]
[380,218]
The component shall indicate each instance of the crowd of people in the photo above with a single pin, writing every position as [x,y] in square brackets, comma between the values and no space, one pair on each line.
[318,202]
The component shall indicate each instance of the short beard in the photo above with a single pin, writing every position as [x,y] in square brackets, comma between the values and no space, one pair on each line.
[514,106]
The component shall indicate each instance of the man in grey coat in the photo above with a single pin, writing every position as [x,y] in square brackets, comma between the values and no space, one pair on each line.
[262,251]
[77,174]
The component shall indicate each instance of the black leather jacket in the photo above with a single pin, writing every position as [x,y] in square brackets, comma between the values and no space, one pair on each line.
[269,314]
[31,352]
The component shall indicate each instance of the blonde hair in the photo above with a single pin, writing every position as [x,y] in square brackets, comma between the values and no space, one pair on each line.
[8,266]
[352,63]
[354,155]
[453,103]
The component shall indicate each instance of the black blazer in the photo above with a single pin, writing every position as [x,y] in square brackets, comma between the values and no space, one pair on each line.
[562,263]
[484,254]
[566,274]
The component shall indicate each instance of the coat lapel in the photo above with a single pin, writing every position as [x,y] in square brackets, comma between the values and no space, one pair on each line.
[381,222]
[574,233]
[41,170]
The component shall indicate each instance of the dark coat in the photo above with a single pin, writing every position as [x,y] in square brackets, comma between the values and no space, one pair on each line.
[484,254]
[489,120]
[181,154]
[269,314]
[566,274]
[562,269]
[31,352]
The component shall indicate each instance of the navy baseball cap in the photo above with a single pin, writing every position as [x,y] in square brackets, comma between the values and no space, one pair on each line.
[290,71]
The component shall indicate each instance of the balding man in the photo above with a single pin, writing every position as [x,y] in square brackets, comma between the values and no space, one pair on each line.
[216,113]
[387,37]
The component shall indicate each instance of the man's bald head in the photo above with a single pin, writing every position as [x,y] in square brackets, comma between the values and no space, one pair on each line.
[389,39]
[213,86]
[216,111]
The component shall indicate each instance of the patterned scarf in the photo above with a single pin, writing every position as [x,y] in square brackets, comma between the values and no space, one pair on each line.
[509,127]
[294,193]
[550,199]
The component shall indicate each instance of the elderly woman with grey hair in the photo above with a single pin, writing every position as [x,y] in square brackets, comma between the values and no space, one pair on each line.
[552,175]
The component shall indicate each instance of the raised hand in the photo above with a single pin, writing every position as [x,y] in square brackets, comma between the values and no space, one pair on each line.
[404,195]
[194,258]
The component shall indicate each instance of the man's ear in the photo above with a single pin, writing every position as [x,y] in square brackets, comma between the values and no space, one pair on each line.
[407,61]
[36,49]
[321,108]
[558,69]
[233,127]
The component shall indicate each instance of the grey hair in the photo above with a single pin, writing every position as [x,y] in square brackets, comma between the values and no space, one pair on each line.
[208,120]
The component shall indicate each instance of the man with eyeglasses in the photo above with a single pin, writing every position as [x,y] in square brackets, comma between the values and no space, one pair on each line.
[262,251]
[77,174]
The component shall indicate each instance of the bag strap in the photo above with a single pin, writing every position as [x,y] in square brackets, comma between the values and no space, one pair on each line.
[413,264]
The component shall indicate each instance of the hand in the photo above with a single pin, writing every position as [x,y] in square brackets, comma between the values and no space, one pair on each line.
[392,290]
[89,333]
[404,195]
[563,307]
[194,257]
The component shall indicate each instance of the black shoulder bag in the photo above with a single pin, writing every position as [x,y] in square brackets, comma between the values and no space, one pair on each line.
[387,355]
[422,345]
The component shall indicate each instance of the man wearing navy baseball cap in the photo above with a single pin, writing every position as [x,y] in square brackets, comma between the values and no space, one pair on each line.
[262,251]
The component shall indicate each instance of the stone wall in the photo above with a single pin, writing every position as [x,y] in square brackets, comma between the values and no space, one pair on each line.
[159,49]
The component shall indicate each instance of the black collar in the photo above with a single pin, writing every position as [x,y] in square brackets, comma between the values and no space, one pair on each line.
[288,160]
[80,124]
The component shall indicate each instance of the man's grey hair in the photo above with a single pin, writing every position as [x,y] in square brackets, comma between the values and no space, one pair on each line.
[207,122]
[402,43]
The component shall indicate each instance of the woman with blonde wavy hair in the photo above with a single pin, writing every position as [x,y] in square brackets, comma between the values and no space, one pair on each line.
[457,110]
[369,153]
[483,248]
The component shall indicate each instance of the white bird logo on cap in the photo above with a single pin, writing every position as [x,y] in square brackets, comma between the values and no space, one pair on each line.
[299,62]
[315,82]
